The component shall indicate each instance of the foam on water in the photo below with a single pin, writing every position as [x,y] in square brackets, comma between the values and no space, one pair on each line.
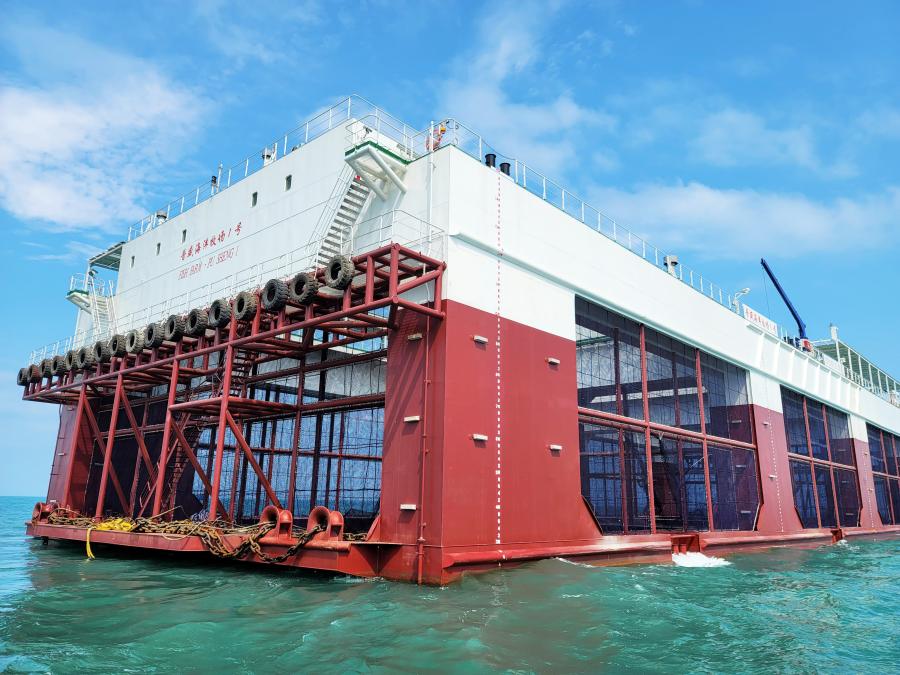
[694,559]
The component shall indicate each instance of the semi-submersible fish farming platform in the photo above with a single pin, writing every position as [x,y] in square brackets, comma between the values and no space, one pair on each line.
[387,352]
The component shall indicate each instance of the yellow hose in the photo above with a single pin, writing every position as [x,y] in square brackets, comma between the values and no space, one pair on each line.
[114,524]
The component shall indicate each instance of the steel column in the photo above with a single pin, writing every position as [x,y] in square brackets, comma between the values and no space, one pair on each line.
[110,442]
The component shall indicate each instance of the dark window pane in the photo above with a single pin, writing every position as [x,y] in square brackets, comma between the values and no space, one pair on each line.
[825,495]
[895,498]
[630,370]
[636,482]
[667,485]
[817,429]
[794,424]
[733,487]
[660,378]
[882,499]
[804,495]
[847,497]
[876,451]
[694,487]
[895,468]
[686,377]
[715,406]
[738,401]
[839,438]
[679,485]
[596,359]
[601,476]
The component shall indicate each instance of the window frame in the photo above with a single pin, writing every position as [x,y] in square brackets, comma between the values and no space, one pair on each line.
[890,479]
[815,461]
[644,424]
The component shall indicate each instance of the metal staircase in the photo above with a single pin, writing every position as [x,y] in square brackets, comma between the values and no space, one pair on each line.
[334,233]
[96,297]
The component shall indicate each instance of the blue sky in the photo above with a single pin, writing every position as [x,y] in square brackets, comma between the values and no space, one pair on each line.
[720,131]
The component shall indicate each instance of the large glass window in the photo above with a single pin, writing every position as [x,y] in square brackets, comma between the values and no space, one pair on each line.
[690,484]
[884,448]
[823,471]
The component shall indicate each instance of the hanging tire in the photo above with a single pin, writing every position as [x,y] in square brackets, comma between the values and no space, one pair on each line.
[303,288]
[117,346]
[245,306]
[101,352]
[153,335]
[196,323]
[174,328]
[70,360]
[58,365]
[22,377]
[219,313]
[45,368]
[274,295]
[34,373]
[134,342]
[84,358]
[339,272]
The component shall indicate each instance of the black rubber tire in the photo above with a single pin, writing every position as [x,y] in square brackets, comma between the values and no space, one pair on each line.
[46,364]
[153,335]
[274,295]
[173,329]
[245,306]
[339,272]
[58,365]
[219,313]
[101,352]
[134,341]
[34,373]
[196,323]
[22,377]
[70,360]
[84,358]
[303,288]
[117,346]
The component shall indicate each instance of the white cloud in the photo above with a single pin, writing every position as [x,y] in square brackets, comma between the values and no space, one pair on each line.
[70,251]
[80,140]
[545,133]
[881,122]
[738,223]
[730,137]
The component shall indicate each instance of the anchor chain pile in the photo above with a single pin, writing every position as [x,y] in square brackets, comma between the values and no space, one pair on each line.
[213,534]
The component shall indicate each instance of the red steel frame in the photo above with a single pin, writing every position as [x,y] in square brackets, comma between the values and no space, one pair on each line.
[337,319]
[829,463]
[648,427]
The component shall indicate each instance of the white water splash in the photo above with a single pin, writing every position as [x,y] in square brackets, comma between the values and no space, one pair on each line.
[694,559]
[572,562]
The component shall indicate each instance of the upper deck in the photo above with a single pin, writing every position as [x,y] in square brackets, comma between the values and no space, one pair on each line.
[264,213]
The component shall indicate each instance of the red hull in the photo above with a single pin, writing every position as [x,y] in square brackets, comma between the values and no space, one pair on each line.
[480,465]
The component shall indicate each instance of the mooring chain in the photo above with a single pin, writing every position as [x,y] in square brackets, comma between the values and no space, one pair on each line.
[212,534]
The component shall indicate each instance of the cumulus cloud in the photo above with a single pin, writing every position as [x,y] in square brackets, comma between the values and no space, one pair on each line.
[81,135]
[738,223]
[509,43]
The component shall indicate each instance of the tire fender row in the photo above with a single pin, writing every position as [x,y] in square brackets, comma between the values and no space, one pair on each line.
[300,290]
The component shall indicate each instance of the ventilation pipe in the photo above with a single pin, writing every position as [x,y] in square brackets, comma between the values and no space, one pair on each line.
[490,160]
[671,264]
[504,167]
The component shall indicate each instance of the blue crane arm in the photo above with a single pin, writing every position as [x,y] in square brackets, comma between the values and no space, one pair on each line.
[801,326]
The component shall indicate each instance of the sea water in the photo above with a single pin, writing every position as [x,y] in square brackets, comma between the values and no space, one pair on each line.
[833,609]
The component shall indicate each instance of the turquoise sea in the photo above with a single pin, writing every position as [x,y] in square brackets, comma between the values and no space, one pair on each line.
[832,609]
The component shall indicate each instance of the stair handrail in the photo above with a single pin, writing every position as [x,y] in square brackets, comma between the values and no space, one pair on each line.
[329,210]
